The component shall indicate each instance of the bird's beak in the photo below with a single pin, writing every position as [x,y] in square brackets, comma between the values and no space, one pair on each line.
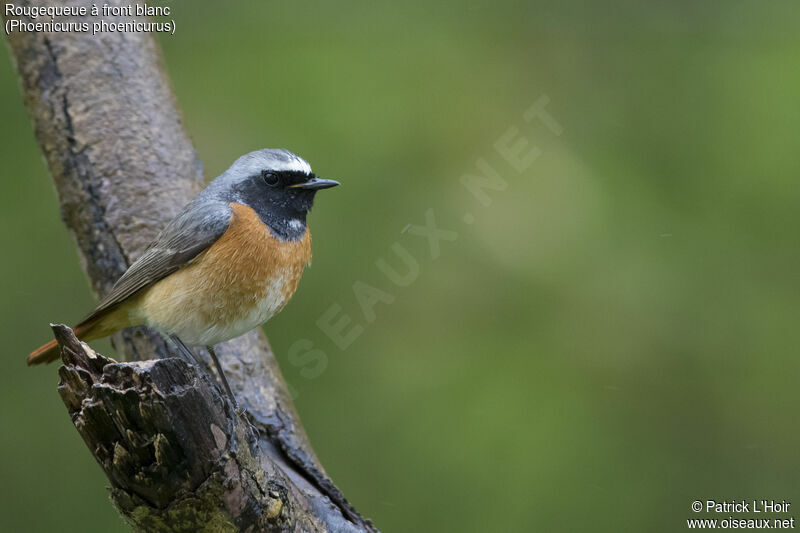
[316,183]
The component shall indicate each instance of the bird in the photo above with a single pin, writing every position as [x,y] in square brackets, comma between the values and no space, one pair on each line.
[228,262]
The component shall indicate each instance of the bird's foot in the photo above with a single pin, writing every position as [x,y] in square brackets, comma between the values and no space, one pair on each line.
[243,415]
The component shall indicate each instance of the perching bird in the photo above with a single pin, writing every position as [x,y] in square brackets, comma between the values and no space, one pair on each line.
[228,262]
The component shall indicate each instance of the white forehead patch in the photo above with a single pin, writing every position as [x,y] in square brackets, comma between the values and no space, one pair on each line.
[277,160]
[294,163]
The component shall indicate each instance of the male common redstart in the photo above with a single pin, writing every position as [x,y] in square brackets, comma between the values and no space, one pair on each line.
[228,262]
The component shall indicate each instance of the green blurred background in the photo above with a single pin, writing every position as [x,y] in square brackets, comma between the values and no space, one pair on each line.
[613,337]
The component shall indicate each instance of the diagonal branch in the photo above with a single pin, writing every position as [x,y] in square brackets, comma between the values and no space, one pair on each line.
[107,123]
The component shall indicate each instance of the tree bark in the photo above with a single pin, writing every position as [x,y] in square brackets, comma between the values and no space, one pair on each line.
[176,455]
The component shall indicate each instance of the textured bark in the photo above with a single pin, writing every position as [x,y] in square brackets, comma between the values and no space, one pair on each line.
[106,120]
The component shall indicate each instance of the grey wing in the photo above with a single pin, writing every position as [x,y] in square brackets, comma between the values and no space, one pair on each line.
[194,230]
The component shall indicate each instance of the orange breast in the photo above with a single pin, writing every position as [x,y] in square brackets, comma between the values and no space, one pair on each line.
[240,282]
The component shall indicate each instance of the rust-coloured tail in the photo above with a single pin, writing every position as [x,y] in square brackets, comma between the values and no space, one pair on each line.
[97,325]
[47,353]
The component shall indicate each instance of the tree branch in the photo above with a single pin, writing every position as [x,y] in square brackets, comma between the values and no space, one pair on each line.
[107,123]
[176,457]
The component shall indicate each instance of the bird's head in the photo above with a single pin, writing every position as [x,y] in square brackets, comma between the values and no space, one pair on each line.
[277,184]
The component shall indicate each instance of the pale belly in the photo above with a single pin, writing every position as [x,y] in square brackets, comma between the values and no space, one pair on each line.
[193,314]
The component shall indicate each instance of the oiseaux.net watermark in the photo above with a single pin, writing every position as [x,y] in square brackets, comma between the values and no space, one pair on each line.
[751,514]
[512,154]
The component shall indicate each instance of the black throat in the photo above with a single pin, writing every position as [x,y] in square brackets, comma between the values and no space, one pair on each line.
[282,210]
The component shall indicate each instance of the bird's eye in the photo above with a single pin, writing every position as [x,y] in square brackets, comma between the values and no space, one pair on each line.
[270,178]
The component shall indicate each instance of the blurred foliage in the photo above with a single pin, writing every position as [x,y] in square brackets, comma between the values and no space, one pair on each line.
[613,337]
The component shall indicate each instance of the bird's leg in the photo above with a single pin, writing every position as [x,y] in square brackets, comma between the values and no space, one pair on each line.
[185,353]
[188,353]
[222,376]
[239,410]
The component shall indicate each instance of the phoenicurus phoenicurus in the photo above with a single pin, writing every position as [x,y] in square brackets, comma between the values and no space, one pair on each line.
[228,262]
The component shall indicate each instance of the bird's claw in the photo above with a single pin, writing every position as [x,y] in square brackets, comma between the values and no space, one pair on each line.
[242,414]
